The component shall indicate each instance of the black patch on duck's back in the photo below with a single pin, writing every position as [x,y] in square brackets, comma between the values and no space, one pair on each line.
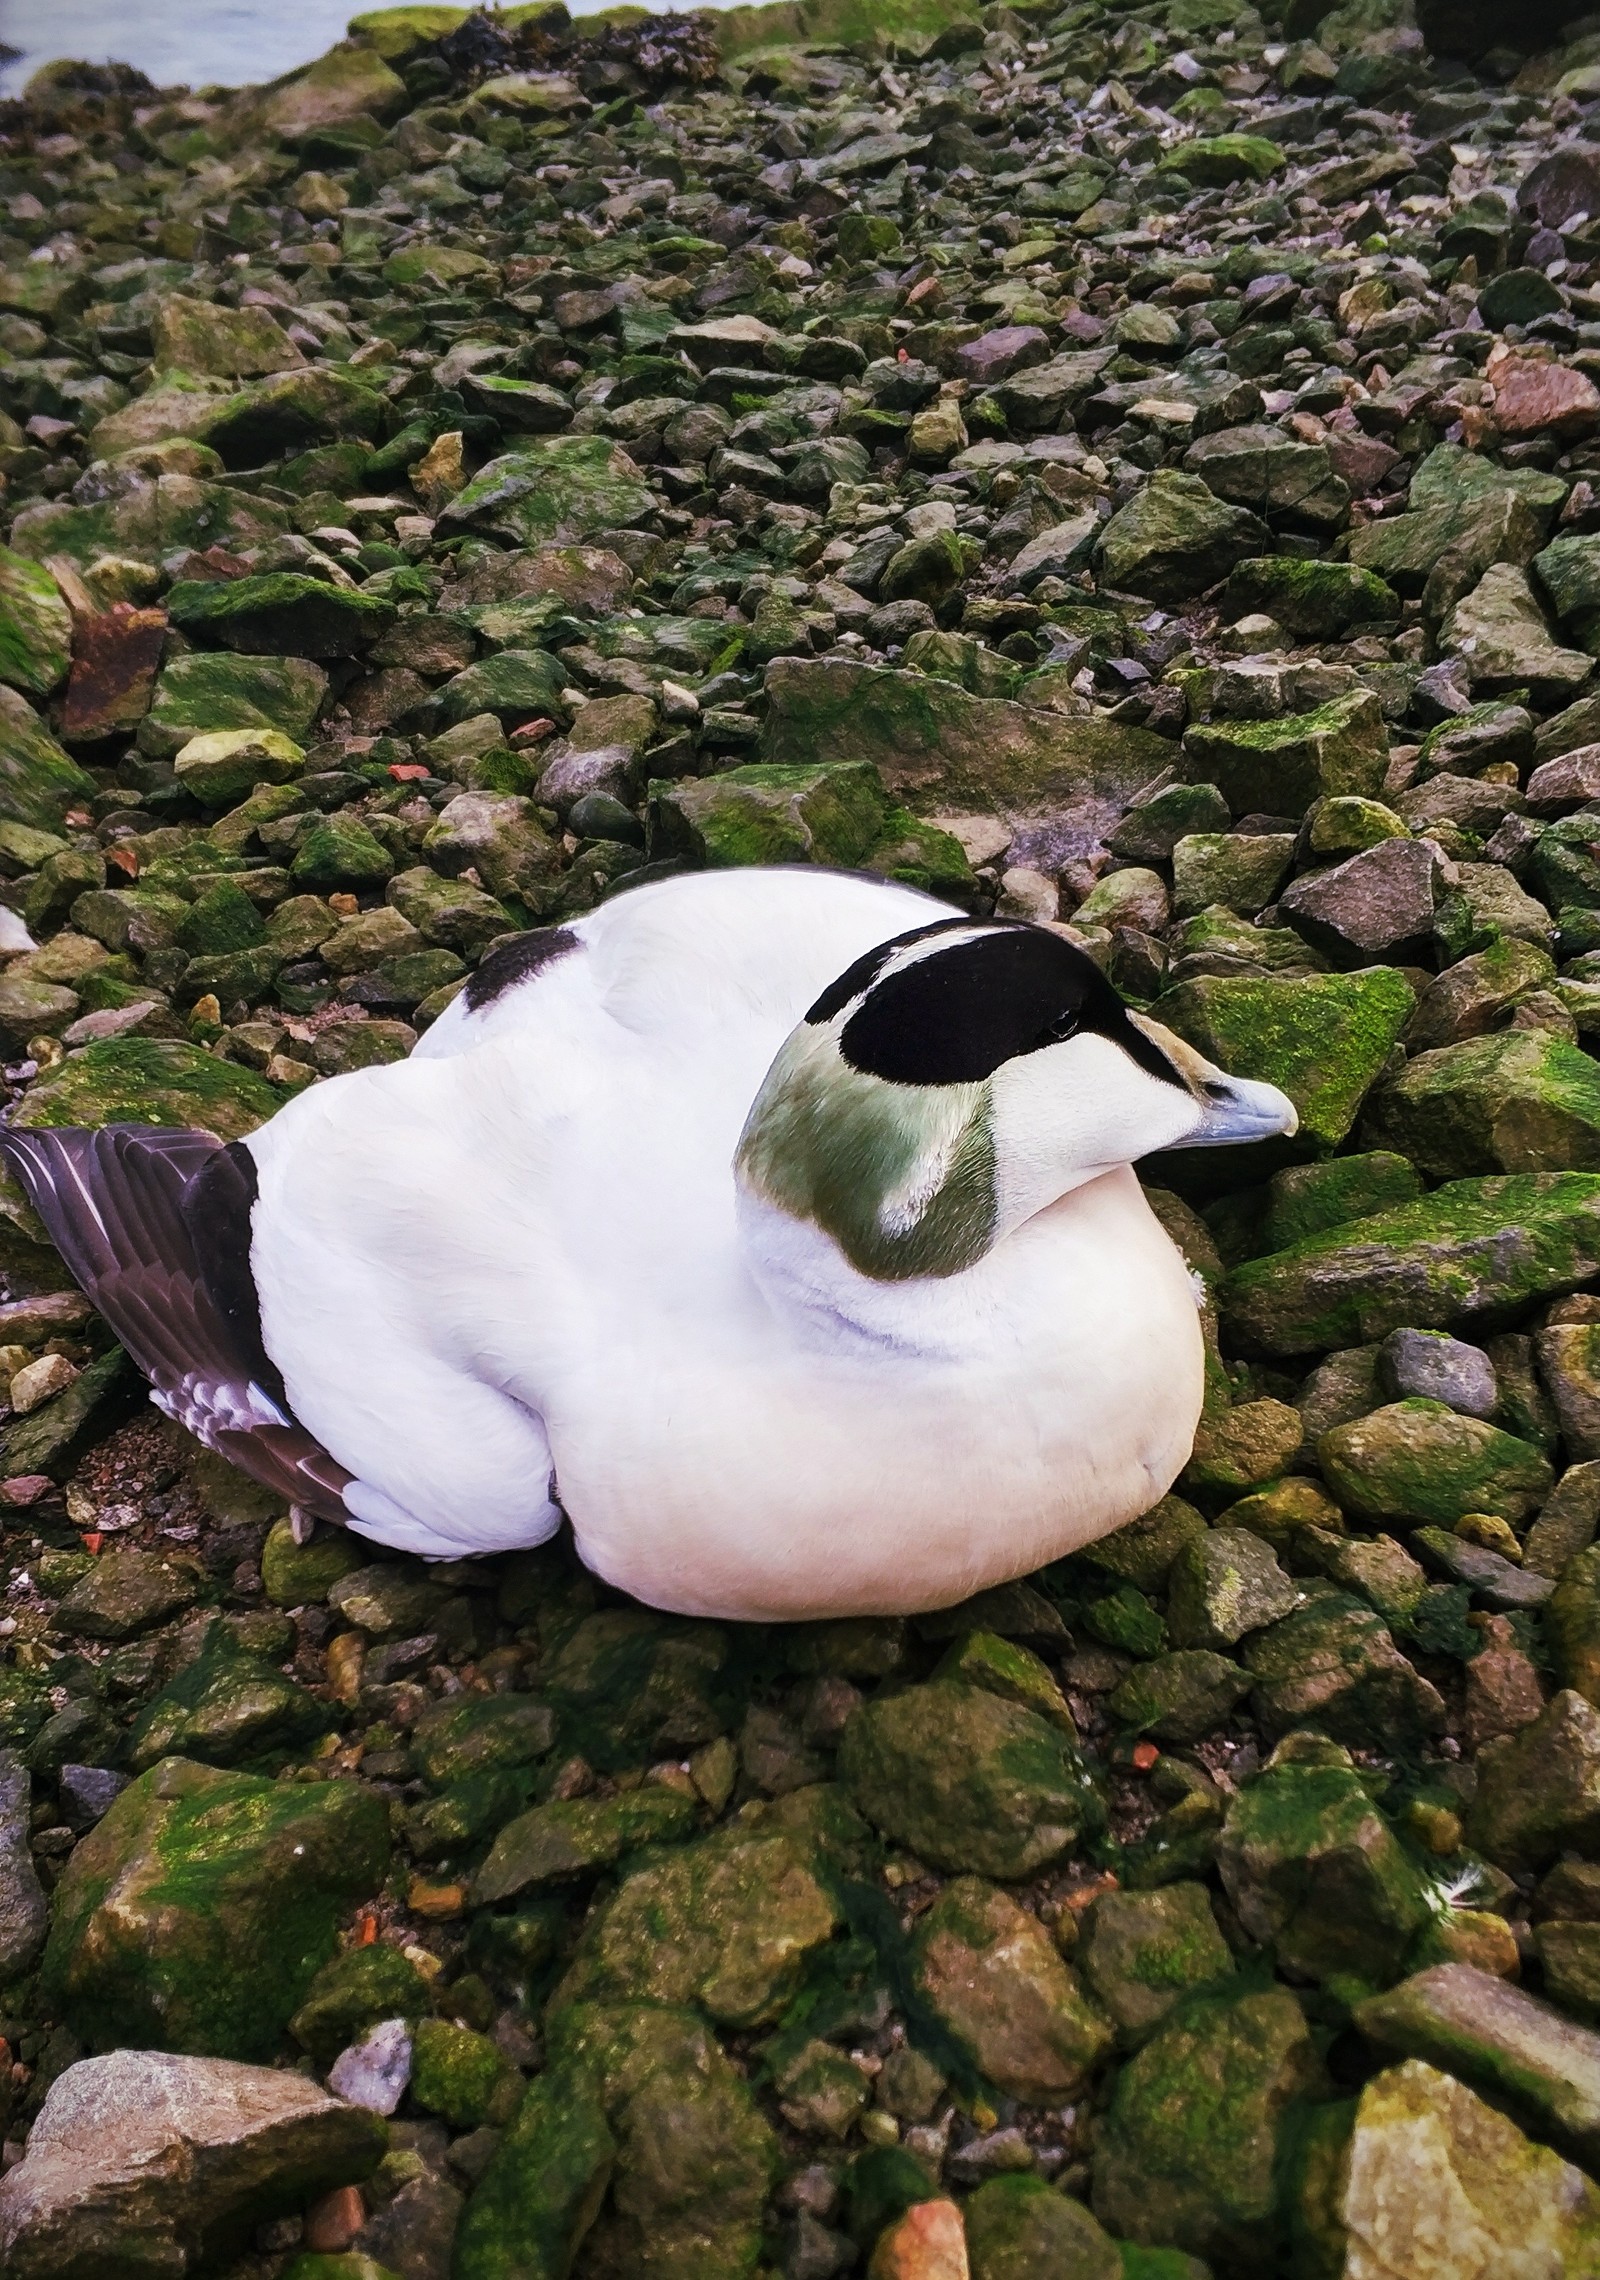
[956,1014]
[516,962]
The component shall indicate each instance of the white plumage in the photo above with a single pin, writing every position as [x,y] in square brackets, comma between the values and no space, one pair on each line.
[522,1265]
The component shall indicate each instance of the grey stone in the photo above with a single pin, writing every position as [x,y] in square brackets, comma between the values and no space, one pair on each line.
[142,2162]
[24,1913]
[1441,1368]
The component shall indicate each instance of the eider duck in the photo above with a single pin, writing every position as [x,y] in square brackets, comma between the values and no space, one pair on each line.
[776,1227]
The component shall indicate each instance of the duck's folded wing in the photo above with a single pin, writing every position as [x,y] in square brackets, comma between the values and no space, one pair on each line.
[155,1228]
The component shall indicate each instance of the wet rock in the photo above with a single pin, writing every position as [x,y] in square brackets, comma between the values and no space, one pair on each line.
[1417,1461]
[1186,2153]
[1435,2178]
[1502,2041]
[140,2160]
[201,1907]
[992,1974]
[1315,1871]
[968,1781]
[1539,1789]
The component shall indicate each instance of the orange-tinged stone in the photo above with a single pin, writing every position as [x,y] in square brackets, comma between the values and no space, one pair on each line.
[1544,399]
[928,2243]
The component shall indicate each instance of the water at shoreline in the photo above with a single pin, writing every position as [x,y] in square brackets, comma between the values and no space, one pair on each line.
[232,43]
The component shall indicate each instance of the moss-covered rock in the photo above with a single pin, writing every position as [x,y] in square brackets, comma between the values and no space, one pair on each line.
[159,1081]
[1019,2228]
[1318,601]
[1539,1789]
[196,1914]
[1283,766]
[1174,539]
[297,1575]
[1315,1871]
[212,690]
[727,1922]
[1334,1665]
[561,489]
[1223,1585]
[937,748]
[1421,1463]
[632,1686]
[991,1972]
[458,2074]
[124,1593]
[352,1993]
[968,1781]
[762,814]
[1522,1101]
[35,627]
[1324,1039]
[1179,1697]
[1188,2152]
[1141,1952]
[1305,1200]
[1572,1622]
[38,782]
[640,2140]
[565,1841]
[1469,1251]
[228,1707]
[280,613]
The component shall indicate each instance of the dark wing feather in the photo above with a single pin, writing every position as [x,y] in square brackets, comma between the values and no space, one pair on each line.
[154,1226]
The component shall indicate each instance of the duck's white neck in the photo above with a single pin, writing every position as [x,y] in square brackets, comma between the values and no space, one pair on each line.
[865,1207]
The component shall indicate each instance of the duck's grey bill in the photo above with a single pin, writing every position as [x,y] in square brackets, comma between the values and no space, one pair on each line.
[1240,1110]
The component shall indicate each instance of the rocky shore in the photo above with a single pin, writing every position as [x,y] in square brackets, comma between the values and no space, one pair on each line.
[1133,468]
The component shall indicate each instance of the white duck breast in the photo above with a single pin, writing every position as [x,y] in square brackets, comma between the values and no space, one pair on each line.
[779,1223]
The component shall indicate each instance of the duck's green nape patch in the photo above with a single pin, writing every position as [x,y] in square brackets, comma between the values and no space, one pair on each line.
[901,1176]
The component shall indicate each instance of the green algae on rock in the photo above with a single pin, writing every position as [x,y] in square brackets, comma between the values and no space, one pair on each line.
[935,746]
[229,1707]
[1473,1250]
[197,1913]
[160,1081]
[1189,2149]
[970,1782]
[992,1975]
[1420,1463]
[1018,2227]
[1324,1039]
[1315,1871]
[744,1909]
[641,2131]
